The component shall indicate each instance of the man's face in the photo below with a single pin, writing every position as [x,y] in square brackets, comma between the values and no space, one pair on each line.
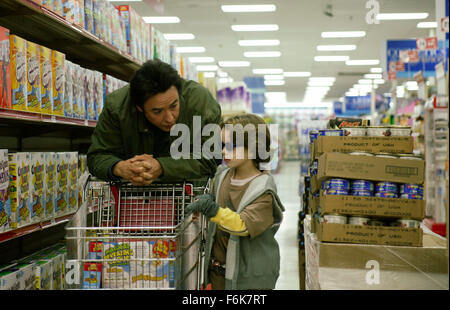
[163,109]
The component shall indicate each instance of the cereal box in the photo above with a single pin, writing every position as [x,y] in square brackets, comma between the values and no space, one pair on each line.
[58,73]
[33,77]
[69,10]
[18,57]
[43,274]
[37,193]
[50,184]
[68,89]
[82,92]
[76,112]
[92,275]
[19,188]
[98,92]
[9,280]
[25,276]
[5,73]
[46,80]
[5,203]
[89,94]
[116,269]
[62,170]
[95,250]
[89,15]
[58,7]
[79,9]
[58,262]
[47,4]
[72,184]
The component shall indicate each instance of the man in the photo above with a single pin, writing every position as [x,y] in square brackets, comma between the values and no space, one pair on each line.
[132,137]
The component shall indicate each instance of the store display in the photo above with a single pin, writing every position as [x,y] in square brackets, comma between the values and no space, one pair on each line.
[46,80]
[37,193]
[19,188]
[5,201]
[18,58]
[58,72]
[34,99]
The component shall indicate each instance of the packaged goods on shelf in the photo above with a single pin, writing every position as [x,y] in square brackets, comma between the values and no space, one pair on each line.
[79,13]
[89,15]
[340,122]
[69,10]
[78,110]
[5,73]
[58,72]
[18,58]
[72,184]
[19,188]
[68,89]
[98,93]
[43,274]
[46,80]
[37,193]
[34,99]
[61,191]
[132,23]
[5,202]
[19,277]
[50,184]
[89,94]
[92,275]
[58,7]
[232,97]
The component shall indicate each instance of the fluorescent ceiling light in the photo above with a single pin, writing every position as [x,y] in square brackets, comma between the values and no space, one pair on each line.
[331,58]
[209,74]
[379,81]
[343,34]
[411,83]
[201,59]
[400,91]
[207,68]
[376,70]
[248,8]
[365,82]
[191,49]
[179,36]
[161,19]
[222,74]
[267,27]
[361,62]
[297,74]
[276,96]
[125,0]
[259,42]
[225,80]
[317,89]
[234,63]
[320,83]
[323,79]
[336,47]
[273,82]
[267,71]
[427,25]
[373,76]
[262,54]
[274,77]
[412,87]
[401,16]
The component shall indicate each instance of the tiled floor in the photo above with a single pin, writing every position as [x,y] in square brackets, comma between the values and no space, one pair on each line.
[287,181]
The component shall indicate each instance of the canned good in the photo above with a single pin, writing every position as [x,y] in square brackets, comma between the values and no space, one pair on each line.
[411,189]
[362,153]
[316,164]
[407,223]
[331,132]
[400,131]
[411,196]
[355,131]
[378,131]
[362,193]
[313,134]
[358,220]
[341,184]
[362,185]
[386,195]
[330,191]
[394,224]
[386,187]
[373,222]
[335,218]
[312,171]
[385,155]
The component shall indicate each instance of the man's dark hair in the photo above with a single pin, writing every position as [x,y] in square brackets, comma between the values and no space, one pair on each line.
[152,78]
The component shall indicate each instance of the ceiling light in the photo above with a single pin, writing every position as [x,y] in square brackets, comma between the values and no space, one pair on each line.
[225,80]
[323,79]
[297,74]
[268,27]
[273,82]
[343,34]
[319,89]
[274,77]
[365,82]
[400,92]
[248,8]
[376,70]
[331,58]
[234,63]
[209,74]
[373,76]
[401,16]
[222,74]
[320,83]
[191,49]
[259,42]
[207,68]
[360,62]
[427,25]
[276,96]
[336,47]
[161,19]
[179,36]
[201,59]
[267,71]
[379,81]
[262,54]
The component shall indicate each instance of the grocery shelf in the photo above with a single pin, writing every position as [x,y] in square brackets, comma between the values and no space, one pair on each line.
[42,26]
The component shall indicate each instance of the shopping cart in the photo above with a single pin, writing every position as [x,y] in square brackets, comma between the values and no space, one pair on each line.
[137,237]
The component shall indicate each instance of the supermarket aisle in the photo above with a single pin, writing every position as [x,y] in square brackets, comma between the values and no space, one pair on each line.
[287,184]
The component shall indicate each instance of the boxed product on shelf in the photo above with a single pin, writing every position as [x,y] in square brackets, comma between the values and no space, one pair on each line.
[98,93]
[37,193]
[46,80]
[8,280]
[46,3]
[68,89]
[89,94]
[72,184]
[78,92]
[69,7]
[58,72]
[5,202]
[98,22]
[43,274]
[57,260]
[19,188]
[18,277]
[50,184]
[92,275]
[61,190]
[131,21]
[34,99]
[5,74]
[18,58]
[89,15]
[58,7]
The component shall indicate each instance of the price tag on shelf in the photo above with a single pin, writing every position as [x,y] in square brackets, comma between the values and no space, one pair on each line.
[53,119]
[86,122]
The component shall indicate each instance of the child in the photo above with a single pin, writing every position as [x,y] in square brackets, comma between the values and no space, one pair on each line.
[242,253]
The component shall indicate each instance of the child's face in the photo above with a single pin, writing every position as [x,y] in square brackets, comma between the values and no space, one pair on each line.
[233,155]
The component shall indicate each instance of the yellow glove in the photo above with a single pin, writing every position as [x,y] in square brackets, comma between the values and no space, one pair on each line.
[230,222]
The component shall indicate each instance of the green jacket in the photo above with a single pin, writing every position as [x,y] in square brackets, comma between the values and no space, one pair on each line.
[250,263]
[123,132]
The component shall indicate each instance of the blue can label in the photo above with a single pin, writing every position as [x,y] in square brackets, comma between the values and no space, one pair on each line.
[362,193]
[386,195]
[386,187]
[411,196]
[362,185]
[336,192]
[411,189]
[313,136]
[331,132]
[336,184]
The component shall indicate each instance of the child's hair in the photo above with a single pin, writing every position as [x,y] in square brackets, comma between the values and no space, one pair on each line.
[260,137]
